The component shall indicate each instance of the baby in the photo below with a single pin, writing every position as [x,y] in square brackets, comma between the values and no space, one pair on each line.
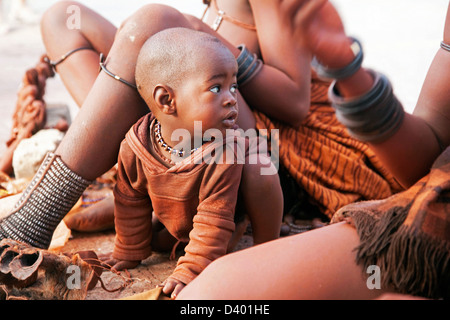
[188,80]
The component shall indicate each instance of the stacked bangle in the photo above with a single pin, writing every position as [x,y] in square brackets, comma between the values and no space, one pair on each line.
[372,117]
[248,65]
[345,72]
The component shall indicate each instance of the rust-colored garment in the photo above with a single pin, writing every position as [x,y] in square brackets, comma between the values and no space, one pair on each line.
[408,234]
[332,167]
[194,200]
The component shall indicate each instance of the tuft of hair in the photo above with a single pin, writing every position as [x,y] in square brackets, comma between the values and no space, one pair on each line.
[168,57]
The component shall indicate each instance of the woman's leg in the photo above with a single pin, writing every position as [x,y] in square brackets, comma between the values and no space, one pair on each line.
[91,144]
[79,71]
[318,264]
[69,25]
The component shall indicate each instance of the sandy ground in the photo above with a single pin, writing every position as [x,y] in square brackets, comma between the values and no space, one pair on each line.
[400,39]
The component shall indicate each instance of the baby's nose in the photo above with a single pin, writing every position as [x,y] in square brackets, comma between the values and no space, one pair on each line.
[231,99]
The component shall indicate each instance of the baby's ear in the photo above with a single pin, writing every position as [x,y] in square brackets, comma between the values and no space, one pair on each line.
[164,98]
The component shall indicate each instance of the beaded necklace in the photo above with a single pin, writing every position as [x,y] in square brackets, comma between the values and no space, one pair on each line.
[160,140]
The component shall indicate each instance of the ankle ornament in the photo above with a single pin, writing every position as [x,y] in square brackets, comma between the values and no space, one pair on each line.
[64,57]
[51,194]
[112,75]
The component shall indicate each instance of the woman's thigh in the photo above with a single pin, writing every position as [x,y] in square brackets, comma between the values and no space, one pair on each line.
[318,264]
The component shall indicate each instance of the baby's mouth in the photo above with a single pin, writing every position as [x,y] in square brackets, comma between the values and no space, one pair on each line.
[230,119]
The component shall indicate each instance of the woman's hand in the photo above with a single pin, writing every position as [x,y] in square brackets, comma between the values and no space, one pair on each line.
[317,26]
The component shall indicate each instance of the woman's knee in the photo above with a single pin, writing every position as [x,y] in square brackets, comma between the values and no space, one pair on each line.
[57,15]
[149,20]
[197,24]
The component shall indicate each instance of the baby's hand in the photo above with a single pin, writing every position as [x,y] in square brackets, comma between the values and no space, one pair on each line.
[119,265]
[172,286]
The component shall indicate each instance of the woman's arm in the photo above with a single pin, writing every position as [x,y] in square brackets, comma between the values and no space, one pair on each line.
[282,88]
[410,152]
[433,105]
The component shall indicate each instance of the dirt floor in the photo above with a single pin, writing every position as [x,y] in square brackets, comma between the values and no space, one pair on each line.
[150,273]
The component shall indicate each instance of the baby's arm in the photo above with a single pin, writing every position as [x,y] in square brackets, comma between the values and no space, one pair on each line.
[132,216]
[213,224]
[208,241]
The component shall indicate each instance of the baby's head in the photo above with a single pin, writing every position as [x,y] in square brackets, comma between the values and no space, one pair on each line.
[185,76]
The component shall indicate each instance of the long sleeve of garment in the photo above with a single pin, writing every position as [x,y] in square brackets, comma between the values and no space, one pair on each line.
[213,224]
[132,212]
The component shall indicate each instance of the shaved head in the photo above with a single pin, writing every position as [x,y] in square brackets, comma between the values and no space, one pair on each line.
[170,56]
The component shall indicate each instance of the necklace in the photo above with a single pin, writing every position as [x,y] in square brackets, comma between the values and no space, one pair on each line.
[221,15]
[164,145]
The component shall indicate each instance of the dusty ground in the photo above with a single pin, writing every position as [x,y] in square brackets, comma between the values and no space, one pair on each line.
[146,276]
[150,273]
[400,38]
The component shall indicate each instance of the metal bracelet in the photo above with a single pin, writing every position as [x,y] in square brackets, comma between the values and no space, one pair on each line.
[64,57]
[445,46]
[372,117]
[112,75]
[252,71]
[327,73]
[248,65]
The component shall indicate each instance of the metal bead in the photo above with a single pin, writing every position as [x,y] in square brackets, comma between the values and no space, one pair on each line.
[164,145]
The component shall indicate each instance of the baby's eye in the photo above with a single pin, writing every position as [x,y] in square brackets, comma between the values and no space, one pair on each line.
[215,89]
[234,88]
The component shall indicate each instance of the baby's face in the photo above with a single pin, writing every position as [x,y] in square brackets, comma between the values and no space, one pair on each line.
[209,94]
